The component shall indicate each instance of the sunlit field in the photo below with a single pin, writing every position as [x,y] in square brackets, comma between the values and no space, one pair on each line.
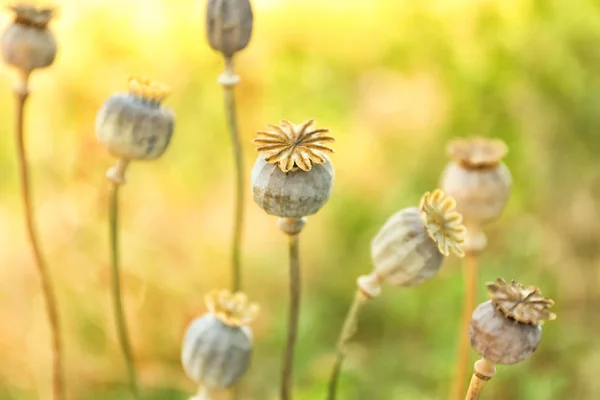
[393,81]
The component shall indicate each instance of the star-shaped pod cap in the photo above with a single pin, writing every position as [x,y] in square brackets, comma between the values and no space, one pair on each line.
[30,15]
[232,309]
[523,304]
[294,147]
[443,222]
[477,152]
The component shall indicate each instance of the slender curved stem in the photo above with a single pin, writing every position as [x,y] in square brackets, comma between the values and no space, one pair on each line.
[469,303]
[294,316]
[58,386]
[348,330]
[116,288]
[228,80]
[483,372]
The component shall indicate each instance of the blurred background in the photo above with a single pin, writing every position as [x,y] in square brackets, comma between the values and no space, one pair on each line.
[394,81]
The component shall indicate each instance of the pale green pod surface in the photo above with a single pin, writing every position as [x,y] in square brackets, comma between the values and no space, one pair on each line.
[228,25]
[214,354]
[403,253]
[28,47]
[481,194]
[292,194]
[133,128]
[499,339]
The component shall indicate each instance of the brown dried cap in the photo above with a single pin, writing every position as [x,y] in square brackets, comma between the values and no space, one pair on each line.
[30,15]
[228,25]
[232,309]
[524,305]
[293,146]
[443,222]
[477,152]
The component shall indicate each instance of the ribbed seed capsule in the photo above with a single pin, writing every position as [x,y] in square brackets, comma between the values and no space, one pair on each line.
[403,253]
[292,176]
[228,25]
[27,43]
[479,182]
[134,125]
[217,347]
[410,247]
[507,329]
[214,354]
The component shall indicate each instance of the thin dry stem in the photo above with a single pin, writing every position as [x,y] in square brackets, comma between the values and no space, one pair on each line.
[348,330]
[238,223]
[120,319]
[483,372]
[58,381]
[464,347]
[294,316]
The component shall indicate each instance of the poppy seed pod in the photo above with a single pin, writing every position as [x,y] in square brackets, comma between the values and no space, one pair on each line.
[410,247]
[507,329]
[217,347]
[27,43]
[479,182]
[292,176]
[228,25]
[134,125]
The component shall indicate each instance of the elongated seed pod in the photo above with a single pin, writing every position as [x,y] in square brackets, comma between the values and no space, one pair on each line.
[403,253]
[228,25]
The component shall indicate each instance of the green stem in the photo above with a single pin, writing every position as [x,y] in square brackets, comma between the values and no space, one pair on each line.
[294,316]
[22,93]
[116,289]
[228,80]
[348,330]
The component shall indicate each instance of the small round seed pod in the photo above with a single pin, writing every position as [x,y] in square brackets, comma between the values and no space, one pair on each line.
[507,328]
[228,25]
[217,347]
[410,247]
[292,176]
[480,182]
[27,43]
[134,125]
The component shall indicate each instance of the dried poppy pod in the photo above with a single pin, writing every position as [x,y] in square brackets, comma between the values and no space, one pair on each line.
[410,247]
[228,25]
[507,328]
[480,182]
[217,347]
[292,176]
[27,43]
[135,125]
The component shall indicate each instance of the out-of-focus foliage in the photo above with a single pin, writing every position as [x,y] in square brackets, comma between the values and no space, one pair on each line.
[393,80]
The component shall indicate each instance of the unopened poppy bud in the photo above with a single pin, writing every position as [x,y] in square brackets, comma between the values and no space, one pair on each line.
[228,25]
